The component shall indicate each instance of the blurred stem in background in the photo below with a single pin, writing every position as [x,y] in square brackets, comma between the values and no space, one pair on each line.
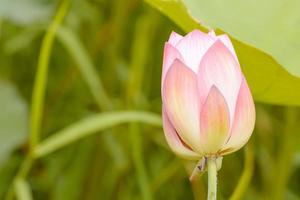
[38,96]
[168,172]
[23,190]
[143,36]
[85,66]
[39,88]
[247,173]
[89,73]
[91,125]
[114,29]
[285,153]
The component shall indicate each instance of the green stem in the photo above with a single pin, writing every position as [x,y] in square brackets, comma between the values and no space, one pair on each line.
[21,174]
[38,94]
[212,178]
[94,124]
[22,188]
[39,88]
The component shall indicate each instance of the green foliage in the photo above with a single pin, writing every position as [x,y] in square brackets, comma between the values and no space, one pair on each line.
[268,25]
[98,127]
[256,64]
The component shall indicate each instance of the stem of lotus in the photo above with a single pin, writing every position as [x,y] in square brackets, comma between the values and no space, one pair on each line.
[212,178]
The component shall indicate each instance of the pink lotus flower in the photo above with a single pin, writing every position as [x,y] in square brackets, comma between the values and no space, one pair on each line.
[208,108]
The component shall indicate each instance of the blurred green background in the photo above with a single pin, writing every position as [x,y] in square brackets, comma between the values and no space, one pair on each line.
[86,58]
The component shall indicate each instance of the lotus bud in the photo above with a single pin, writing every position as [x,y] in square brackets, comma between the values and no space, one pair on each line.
[208,110]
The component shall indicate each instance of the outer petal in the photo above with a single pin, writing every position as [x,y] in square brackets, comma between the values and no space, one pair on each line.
[214,121]
[175,142]
[193,46]
[170,54]
[219,67]
[174,38]
[244,120]
[227,42]
[181,101]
